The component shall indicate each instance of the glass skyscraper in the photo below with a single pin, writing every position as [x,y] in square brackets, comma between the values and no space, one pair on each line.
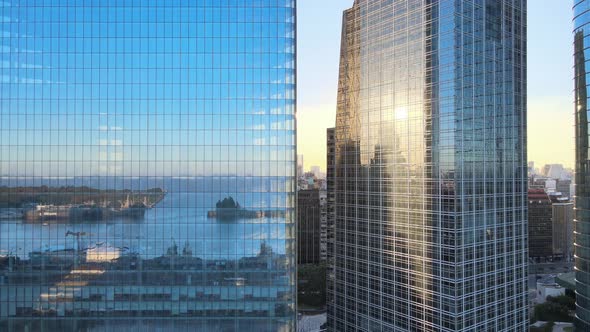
[147,165]
[582,188]
[430,171]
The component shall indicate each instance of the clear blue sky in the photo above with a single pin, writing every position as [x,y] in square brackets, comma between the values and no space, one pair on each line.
[550,97]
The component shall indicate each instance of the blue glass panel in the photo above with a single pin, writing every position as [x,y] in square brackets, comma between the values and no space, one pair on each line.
[147,153]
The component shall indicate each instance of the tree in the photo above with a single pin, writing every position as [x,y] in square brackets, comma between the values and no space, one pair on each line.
[552,311]
[563,300]
[227,203]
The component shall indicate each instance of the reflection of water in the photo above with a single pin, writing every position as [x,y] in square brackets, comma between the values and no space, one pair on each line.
[162,226]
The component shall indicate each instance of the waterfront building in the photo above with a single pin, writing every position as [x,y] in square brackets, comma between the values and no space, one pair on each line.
[147,165]
[430,174]
[581,13]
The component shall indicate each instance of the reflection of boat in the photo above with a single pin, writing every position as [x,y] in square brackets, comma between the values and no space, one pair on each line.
[102,253]
[235,281]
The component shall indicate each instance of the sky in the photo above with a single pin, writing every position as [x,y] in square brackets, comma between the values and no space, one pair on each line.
[550,84]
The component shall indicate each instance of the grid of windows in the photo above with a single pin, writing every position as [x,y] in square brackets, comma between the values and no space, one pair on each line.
[430,174]
[147,165]
[309,227]
[582,190]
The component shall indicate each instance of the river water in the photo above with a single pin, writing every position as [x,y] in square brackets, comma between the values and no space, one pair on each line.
[163,226]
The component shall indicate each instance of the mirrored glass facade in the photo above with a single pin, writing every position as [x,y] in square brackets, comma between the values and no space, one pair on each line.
[430,173]
[582,187]
[147,165]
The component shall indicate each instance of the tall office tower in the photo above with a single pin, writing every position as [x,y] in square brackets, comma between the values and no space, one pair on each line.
[430,183]
[308,226]
[563,228]
[540,212]
[147,165]
[323,225]
[300,165]
[563,187]
[555,171]
[330,209]
[582,171]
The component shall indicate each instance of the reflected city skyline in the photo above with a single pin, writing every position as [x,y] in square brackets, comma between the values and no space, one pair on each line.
[429,172]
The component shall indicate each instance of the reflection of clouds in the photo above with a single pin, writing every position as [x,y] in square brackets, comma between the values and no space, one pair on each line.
[7,65]
[8,49]
[30,66]
[15,79]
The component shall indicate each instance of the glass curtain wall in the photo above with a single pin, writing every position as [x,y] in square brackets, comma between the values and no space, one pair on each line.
[581,11]
[147,165]
[430,230]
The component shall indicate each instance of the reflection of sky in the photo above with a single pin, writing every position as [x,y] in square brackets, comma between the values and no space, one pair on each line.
[194,97]
[101,85]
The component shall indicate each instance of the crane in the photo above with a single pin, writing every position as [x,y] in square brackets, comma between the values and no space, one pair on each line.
[77,235]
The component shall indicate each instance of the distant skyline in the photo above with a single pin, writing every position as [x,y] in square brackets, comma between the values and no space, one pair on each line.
[319,25]
[550,79]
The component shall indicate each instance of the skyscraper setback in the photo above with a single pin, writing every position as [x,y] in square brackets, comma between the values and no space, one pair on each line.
[147,165]
[430,171]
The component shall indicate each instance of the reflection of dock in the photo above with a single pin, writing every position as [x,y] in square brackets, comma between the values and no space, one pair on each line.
[11,214]
[109,282]
[75,204]
[231,214]
[82,213]
[26,197]
[228,209]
